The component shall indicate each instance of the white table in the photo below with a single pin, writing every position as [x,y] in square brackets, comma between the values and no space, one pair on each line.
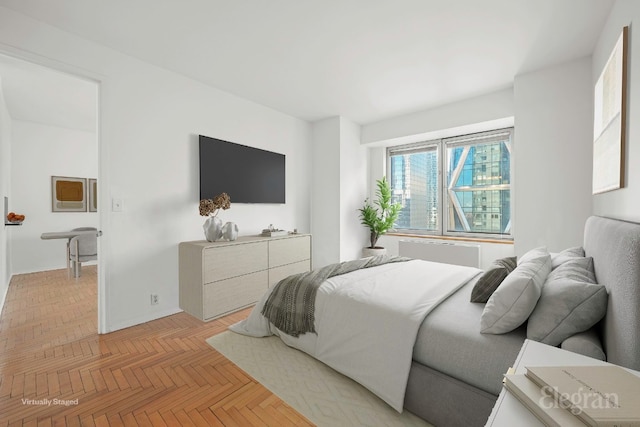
[508,411]
[65,234]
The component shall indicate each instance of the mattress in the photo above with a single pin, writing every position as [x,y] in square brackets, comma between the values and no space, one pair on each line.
[449,341]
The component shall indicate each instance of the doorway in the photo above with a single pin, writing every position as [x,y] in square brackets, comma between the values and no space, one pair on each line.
[54,133]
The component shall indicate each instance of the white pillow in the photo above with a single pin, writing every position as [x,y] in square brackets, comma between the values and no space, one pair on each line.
[570,302]
[514,300]
[580,269]
[564,256]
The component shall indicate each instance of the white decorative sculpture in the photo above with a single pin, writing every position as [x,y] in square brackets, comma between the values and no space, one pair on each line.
[230,231]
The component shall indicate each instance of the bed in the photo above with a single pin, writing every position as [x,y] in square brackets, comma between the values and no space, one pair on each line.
[437,364]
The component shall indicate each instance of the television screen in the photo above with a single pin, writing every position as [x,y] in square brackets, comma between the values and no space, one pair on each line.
[246,174]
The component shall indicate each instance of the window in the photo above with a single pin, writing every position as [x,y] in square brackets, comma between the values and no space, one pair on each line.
[454,186]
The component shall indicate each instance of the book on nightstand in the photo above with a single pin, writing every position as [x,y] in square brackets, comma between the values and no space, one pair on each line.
[543,406]
[600,396]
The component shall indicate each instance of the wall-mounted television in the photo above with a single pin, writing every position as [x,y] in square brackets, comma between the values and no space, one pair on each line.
[246,174]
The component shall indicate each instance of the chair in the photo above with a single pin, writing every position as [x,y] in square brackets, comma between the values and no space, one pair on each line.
[81,248]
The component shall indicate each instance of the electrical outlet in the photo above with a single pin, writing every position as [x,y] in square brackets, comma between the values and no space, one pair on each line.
[154,299]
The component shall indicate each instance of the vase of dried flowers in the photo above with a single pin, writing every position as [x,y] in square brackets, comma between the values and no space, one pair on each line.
[210,208]
[212,229]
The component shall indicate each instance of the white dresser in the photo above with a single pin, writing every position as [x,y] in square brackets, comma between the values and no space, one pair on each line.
[217,278]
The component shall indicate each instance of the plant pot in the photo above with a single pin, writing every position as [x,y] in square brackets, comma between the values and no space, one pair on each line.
[377,251]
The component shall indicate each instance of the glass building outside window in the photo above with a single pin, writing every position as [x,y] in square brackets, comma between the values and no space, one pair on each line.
[471,197]
[414,184]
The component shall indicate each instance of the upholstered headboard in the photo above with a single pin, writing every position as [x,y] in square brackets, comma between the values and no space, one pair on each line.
[615,248]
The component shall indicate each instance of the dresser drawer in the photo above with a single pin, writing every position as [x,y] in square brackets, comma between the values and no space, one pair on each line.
[289,250]
[228,261]
[278,273]
[232,294]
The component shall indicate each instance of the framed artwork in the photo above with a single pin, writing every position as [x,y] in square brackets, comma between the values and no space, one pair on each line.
[93,193]
[68,194]
[609,120]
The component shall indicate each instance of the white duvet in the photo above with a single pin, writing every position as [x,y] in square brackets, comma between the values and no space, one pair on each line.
[367,321]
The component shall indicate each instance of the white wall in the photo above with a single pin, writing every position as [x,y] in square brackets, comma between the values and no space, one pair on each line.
[339,189]
[150,122]
[552,156]
[5,191]
[353,191]
[325,192]
[452,119]
[60,152]
[623,203]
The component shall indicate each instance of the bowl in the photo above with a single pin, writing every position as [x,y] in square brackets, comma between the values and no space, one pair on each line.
[13,218]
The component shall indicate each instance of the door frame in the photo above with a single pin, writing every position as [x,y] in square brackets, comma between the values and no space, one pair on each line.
[100,81]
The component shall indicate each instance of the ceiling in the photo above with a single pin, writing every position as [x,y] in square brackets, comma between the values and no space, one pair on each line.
[366,60]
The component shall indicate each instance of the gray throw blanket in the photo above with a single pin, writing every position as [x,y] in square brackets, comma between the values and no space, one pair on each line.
[291,305]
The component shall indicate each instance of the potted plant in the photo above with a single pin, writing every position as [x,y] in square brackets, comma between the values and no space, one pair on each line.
[379,217]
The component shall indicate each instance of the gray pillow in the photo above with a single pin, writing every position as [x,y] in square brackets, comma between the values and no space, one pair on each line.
[559,258]
[514,300]
[586,343]
[580,269]
[567,306]
[491,279]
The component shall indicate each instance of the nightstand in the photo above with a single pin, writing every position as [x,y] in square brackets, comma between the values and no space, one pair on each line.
[508,411]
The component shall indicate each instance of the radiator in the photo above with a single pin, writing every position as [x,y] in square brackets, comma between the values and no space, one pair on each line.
[450,253]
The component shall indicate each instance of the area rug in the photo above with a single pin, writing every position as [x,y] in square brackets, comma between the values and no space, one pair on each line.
[321,394]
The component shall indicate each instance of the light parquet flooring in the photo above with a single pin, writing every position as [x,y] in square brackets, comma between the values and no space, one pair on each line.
[161,373]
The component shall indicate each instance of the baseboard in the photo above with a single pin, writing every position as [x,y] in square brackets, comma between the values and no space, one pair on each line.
[3,297]
[142,319]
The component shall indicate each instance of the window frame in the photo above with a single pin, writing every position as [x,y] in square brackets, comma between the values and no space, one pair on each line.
[442,147]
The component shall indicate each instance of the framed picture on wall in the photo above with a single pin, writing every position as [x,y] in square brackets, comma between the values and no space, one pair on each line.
[68,194]
[93,195]
[609,120]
